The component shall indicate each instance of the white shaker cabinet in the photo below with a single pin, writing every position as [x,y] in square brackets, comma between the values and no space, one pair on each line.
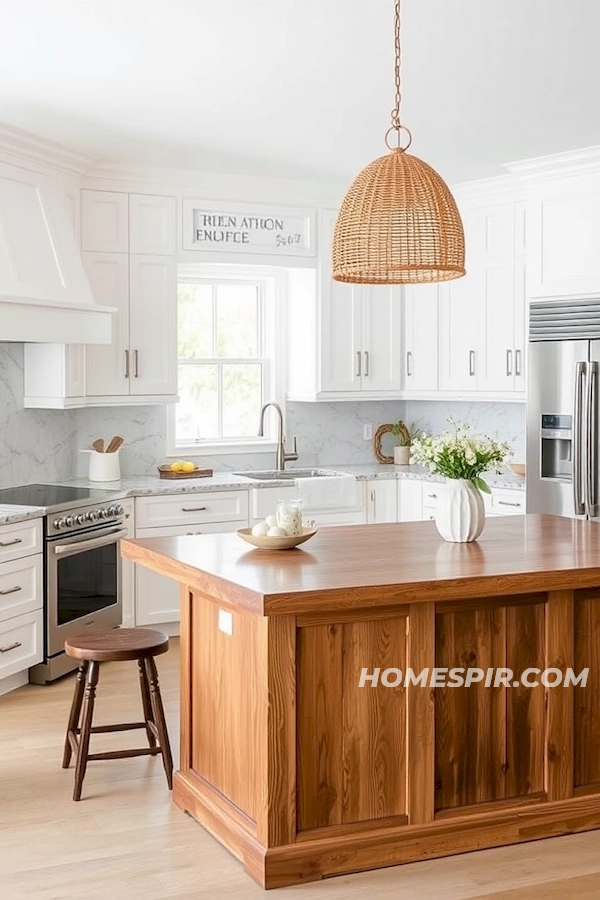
[460,317]
[152,325]
[104,222]
[345,341]
[152,224]
[421,326]
[410,500]
[564,219]
[106,365]
[382,500]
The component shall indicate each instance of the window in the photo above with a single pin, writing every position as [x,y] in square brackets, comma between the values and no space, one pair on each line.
[226,357]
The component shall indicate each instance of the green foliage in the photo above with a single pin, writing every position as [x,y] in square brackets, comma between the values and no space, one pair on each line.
[459,453]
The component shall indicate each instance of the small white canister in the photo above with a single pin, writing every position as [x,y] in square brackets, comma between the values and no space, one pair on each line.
[103,466]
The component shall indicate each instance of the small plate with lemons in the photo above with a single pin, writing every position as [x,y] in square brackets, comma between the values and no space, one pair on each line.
[183,468]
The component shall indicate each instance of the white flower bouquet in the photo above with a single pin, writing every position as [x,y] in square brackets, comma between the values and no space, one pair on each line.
[458,453]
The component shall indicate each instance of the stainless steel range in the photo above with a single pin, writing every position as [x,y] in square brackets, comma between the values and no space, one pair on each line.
[82,566]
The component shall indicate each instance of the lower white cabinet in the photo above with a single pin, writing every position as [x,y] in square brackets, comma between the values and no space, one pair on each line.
[263,502]
[21,643]
[410,500]
[382,501]
[417,501]
[507,503]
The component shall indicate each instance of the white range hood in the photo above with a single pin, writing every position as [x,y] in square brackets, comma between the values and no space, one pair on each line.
[44,293]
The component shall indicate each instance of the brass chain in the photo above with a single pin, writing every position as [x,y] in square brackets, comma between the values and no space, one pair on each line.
[397,59]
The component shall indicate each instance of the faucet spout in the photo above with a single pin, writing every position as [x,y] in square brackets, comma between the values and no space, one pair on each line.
[281,456]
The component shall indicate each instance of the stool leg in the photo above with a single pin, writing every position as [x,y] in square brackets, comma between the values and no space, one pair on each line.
[159,719]
[75,712]
[146,702]
[86,725]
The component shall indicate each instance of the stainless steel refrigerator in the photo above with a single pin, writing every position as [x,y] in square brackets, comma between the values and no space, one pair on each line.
[562,408]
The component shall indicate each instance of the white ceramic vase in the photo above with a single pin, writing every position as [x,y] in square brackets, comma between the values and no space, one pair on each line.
[402,456]
[460,513]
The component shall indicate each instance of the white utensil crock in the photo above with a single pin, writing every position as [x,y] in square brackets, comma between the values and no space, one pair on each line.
[103,466]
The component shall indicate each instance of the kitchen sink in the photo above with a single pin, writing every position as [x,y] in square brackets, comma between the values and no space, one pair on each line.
[287,475]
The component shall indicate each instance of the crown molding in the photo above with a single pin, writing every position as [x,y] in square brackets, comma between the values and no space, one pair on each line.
[490,190]
[27,150]
[558,165]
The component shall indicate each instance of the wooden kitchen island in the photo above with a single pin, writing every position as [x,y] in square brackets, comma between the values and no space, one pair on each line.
[303,774]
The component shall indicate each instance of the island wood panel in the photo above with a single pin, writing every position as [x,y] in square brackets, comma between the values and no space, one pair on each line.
[351,745]
[586,731]
[470,724]
[496,733]
[559,700]
[229,708]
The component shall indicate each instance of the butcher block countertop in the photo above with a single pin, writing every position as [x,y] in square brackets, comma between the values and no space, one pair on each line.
[378,565]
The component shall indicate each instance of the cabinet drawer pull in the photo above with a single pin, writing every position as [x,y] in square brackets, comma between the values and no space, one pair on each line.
[517,362]
[12,590]
[10,543]
[366,363]
[408,363]
[127,364]
[12,647]
[193,532]
[136,370]
[358,364]
[432,496]
[471,362]
[509,503]
[509,362]
[193,508]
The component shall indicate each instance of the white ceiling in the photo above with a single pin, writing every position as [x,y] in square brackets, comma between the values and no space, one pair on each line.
[302,87]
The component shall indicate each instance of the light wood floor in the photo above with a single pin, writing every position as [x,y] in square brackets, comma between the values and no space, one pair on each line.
[125,840]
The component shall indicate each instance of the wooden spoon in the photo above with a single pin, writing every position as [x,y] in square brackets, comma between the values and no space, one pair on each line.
[98,445]
[115,444]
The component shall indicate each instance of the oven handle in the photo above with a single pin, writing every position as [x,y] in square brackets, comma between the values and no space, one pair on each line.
[93,544]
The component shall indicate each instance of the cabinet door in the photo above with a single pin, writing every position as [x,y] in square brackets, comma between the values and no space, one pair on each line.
[410,500]
[106,364]
[381,338]
[153,325]
[521,327]
[496,299]
[382,501]
[565,235]
[104,222]
[458,307]
[152,224]
[340,325]
[157,596]
[421,357]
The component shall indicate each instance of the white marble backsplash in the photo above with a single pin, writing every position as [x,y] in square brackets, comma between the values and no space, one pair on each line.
[43,445]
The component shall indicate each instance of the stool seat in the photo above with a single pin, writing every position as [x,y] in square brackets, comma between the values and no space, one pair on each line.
[117,644]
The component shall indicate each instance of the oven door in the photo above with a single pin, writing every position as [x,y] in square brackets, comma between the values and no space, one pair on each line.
[83,585]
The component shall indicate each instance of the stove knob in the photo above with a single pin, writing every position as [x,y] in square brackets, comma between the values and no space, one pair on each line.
[59,523]
[68,522]
[103,512]
[93,516]
[112,510]
[119,510]
[80,519]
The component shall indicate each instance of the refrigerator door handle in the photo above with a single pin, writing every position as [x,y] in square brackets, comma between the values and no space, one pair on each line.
[578,495]
[591,439]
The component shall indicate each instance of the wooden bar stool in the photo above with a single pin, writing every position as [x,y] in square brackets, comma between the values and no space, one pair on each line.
[119,644]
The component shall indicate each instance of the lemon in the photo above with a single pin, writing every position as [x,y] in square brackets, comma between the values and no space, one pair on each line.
[187,466]
[177,466]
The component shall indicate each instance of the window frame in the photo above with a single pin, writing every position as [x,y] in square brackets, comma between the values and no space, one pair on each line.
[272,321]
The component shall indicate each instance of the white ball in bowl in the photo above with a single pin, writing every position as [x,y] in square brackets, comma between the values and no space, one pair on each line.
[260,529]
[271,521]
[275,531]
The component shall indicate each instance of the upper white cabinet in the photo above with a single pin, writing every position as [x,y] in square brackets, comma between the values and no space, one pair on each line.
[104,222]
[152,225]
[421,353]
[129,256]
[345,340]
[564,228]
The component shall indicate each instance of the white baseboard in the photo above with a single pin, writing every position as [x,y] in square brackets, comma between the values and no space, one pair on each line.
[13,682]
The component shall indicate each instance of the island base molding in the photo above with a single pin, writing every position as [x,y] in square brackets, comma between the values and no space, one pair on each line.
[378,847]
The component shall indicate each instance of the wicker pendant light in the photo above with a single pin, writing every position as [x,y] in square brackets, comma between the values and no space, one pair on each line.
[398,223]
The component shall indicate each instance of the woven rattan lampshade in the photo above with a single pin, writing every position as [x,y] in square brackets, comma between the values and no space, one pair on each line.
[398,223]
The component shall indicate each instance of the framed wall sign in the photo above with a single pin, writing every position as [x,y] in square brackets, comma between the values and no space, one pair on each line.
[248,228]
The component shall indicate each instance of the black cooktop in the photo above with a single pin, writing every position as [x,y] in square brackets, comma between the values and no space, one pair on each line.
[48,494]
